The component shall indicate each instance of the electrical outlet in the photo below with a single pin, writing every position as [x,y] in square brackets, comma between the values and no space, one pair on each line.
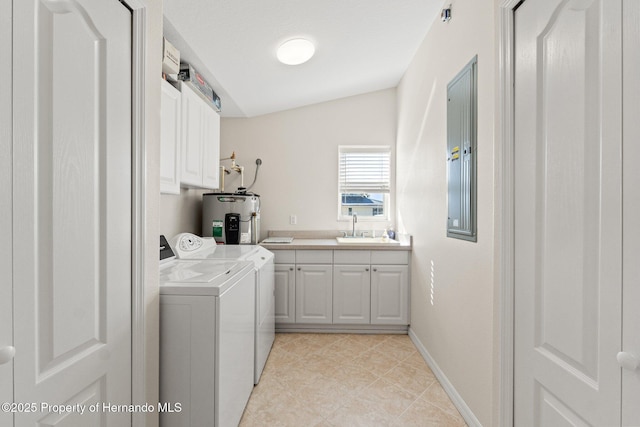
[293,220]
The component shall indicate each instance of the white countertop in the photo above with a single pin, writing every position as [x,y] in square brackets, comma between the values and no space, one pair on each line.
[307,241]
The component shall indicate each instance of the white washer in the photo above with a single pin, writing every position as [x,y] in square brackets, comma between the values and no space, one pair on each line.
[207,333]
[190,246]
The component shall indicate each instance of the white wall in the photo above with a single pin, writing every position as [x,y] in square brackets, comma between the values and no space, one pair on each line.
[457,329]
[181,213]
[299,151]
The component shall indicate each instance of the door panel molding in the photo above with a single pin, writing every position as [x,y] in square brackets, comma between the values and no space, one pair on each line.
[554,411]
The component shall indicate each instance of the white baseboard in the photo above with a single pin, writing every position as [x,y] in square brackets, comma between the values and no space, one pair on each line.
[457,400]
[341,329]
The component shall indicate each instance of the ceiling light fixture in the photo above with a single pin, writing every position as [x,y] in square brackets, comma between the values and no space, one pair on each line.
[295,51]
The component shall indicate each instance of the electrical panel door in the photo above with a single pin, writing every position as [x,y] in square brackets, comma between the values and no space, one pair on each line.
[461,153]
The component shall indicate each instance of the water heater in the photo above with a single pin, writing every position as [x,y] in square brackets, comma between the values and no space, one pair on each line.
[231,218]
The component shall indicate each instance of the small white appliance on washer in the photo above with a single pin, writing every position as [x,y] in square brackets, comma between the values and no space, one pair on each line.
[190,246]
[207,333]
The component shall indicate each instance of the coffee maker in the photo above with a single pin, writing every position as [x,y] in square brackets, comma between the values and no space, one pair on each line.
[231,218]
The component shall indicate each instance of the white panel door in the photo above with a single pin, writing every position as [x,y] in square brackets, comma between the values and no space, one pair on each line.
[6,299]
[568,213]
[72,208]
[631,213]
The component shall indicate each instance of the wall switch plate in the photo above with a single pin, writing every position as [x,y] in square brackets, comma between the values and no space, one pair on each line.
[293,220]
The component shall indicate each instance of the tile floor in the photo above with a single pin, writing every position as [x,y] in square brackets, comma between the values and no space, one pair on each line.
[348,380]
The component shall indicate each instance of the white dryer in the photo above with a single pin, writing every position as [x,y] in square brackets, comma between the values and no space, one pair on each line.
[207,333]
[190,246]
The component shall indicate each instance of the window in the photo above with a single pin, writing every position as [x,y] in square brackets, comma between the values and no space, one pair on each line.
[364,182]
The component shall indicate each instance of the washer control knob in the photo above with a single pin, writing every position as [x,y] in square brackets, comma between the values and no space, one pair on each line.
[628,361]
[6,354]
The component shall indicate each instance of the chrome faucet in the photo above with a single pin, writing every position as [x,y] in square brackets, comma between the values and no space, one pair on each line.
[354,218]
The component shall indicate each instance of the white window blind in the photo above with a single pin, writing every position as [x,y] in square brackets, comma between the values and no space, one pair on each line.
[364,169]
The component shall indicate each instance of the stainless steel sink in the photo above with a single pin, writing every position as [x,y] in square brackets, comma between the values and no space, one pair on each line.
[366,240]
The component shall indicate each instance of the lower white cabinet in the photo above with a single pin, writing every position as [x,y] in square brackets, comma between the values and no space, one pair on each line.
[390,294]
[285,293]
[342,287]
[351,294]
[314,293]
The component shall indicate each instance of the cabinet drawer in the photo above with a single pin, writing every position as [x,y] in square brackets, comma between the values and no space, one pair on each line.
[314,257]
[284,256]
[351,257]
[389,257]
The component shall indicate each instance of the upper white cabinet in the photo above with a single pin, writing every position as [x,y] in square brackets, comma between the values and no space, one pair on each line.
[200,141]
[211,149]
[170,139]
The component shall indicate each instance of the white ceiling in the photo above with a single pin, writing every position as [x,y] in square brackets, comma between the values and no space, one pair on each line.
[361,46]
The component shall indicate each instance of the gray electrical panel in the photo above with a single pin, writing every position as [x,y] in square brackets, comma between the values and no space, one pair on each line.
[461,153]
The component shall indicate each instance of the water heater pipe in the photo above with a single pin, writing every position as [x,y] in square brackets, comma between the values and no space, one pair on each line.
[255,178]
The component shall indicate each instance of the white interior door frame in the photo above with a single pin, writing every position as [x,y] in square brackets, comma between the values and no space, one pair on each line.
[6,209]
[506,207]
[139,206]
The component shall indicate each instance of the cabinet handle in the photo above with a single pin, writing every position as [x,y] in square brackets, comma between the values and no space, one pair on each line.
[366,269]
[299,268]
[375,269]
[290,268]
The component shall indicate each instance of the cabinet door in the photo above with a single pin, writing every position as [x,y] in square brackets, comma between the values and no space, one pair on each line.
[390,295]
[192,136]
[285,293]
[211,148]
[351,294]
[314,293]
[170,140]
